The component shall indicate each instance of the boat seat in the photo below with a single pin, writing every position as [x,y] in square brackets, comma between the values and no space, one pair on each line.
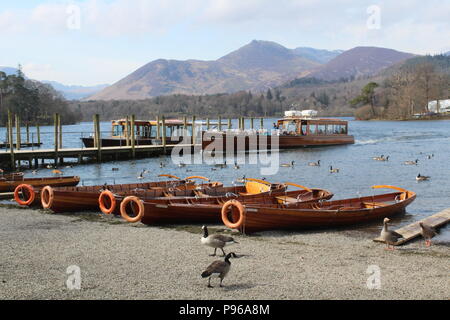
[374,204]
[286,199]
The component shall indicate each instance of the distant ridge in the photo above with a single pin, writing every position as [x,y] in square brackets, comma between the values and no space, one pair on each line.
[359,62]
[256,66]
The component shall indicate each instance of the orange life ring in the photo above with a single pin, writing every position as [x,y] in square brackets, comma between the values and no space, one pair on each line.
[47,196]
[226,220]
[123,209]
[107,202]
[29,191]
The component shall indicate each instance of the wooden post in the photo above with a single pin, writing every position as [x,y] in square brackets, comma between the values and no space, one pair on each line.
[98,137]
[164,133]
[261,124]
[230,125]
[133,137]
[193,130]
[38,130]
[252,124]
[127,132]
[28,133]
[60,132]
[220,124]
[55,120]
[11,140]
[185,124]
[158,128]
[208,124]
[18,133]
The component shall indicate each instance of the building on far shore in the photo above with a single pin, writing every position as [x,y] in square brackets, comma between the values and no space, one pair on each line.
[439,106]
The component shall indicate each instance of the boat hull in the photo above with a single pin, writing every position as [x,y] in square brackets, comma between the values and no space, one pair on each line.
[262,142]
[37,183]
[263,218]
[165,211]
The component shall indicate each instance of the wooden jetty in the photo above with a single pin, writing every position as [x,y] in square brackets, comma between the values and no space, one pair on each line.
[412,231]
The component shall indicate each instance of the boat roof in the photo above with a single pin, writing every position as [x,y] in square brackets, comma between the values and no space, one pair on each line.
[313,119]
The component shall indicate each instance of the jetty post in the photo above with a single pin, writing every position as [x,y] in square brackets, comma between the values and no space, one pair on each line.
[60,132]
[133,137]
[28,133]
[230,126]
[220,123]
[164,133]
[158,128]
[11,139]
[208,124]
[261,123]
[38,132]
[55,120]
[193,131]
[252,124]
[18,133]
[97,137]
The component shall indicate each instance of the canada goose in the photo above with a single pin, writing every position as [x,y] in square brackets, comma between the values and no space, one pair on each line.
[69,167]
[389,237]
[240,180]
[287,165]
[314,164]
[236,166]
[141,175]
[411,163]
[115,169]
[430,156]
[49,166]
[422,178]
[162,165]
[218,269]
[213,169]
[378,158]
[427,233]
[216,241]
[333,170]
[181,165]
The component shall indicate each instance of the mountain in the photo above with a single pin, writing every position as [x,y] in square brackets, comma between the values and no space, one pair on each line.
[318,55]
[447,53]
[359,62]
[75,92]
[256,66]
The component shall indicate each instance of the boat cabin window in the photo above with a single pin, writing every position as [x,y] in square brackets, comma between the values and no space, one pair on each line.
[118,130]
[321,129]
[304,129]
[312,129]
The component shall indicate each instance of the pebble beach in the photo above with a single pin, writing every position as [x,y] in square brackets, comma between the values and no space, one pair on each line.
[132,261]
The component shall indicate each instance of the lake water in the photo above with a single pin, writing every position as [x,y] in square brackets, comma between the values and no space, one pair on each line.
[400,140]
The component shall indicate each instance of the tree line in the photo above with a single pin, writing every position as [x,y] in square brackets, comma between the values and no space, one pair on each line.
[33,101]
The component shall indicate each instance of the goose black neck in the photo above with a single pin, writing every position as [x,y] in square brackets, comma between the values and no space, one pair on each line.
[205,232]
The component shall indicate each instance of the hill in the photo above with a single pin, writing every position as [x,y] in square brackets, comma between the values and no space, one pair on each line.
[359,62]
[256,66]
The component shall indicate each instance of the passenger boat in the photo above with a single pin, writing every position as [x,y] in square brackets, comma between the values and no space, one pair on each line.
[110,202]
[208,209]
[296,130]
[86,198]
[261,217]
[11,185]
[146,132]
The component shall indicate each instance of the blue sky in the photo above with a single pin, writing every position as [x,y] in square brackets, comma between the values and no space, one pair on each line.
[101,41]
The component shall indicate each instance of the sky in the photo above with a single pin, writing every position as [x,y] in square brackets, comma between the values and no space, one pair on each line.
[89,42]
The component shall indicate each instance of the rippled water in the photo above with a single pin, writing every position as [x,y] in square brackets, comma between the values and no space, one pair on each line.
[402,141]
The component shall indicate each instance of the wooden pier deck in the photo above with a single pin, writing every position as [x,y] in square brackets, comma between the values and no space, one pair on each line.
[412,231]
[104,153]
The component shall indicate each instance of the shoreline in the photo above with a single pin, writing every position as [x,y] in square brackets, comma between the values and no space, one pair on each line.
[133,261]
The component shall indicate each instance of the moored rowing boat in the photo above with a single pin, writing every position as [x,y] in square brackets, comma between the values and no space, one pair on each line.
[86,198]
[208,209]
[260,217]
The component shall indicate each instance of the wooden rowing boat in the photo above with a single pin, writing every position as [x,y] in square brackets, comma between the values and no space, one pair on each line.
[11,176]
[208,209]
[110,202]
[11,185]
[86,198]
[260,217]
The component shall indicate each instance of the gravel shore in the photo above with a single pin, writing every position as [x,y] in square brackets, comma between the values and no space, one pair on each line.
[132,261]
